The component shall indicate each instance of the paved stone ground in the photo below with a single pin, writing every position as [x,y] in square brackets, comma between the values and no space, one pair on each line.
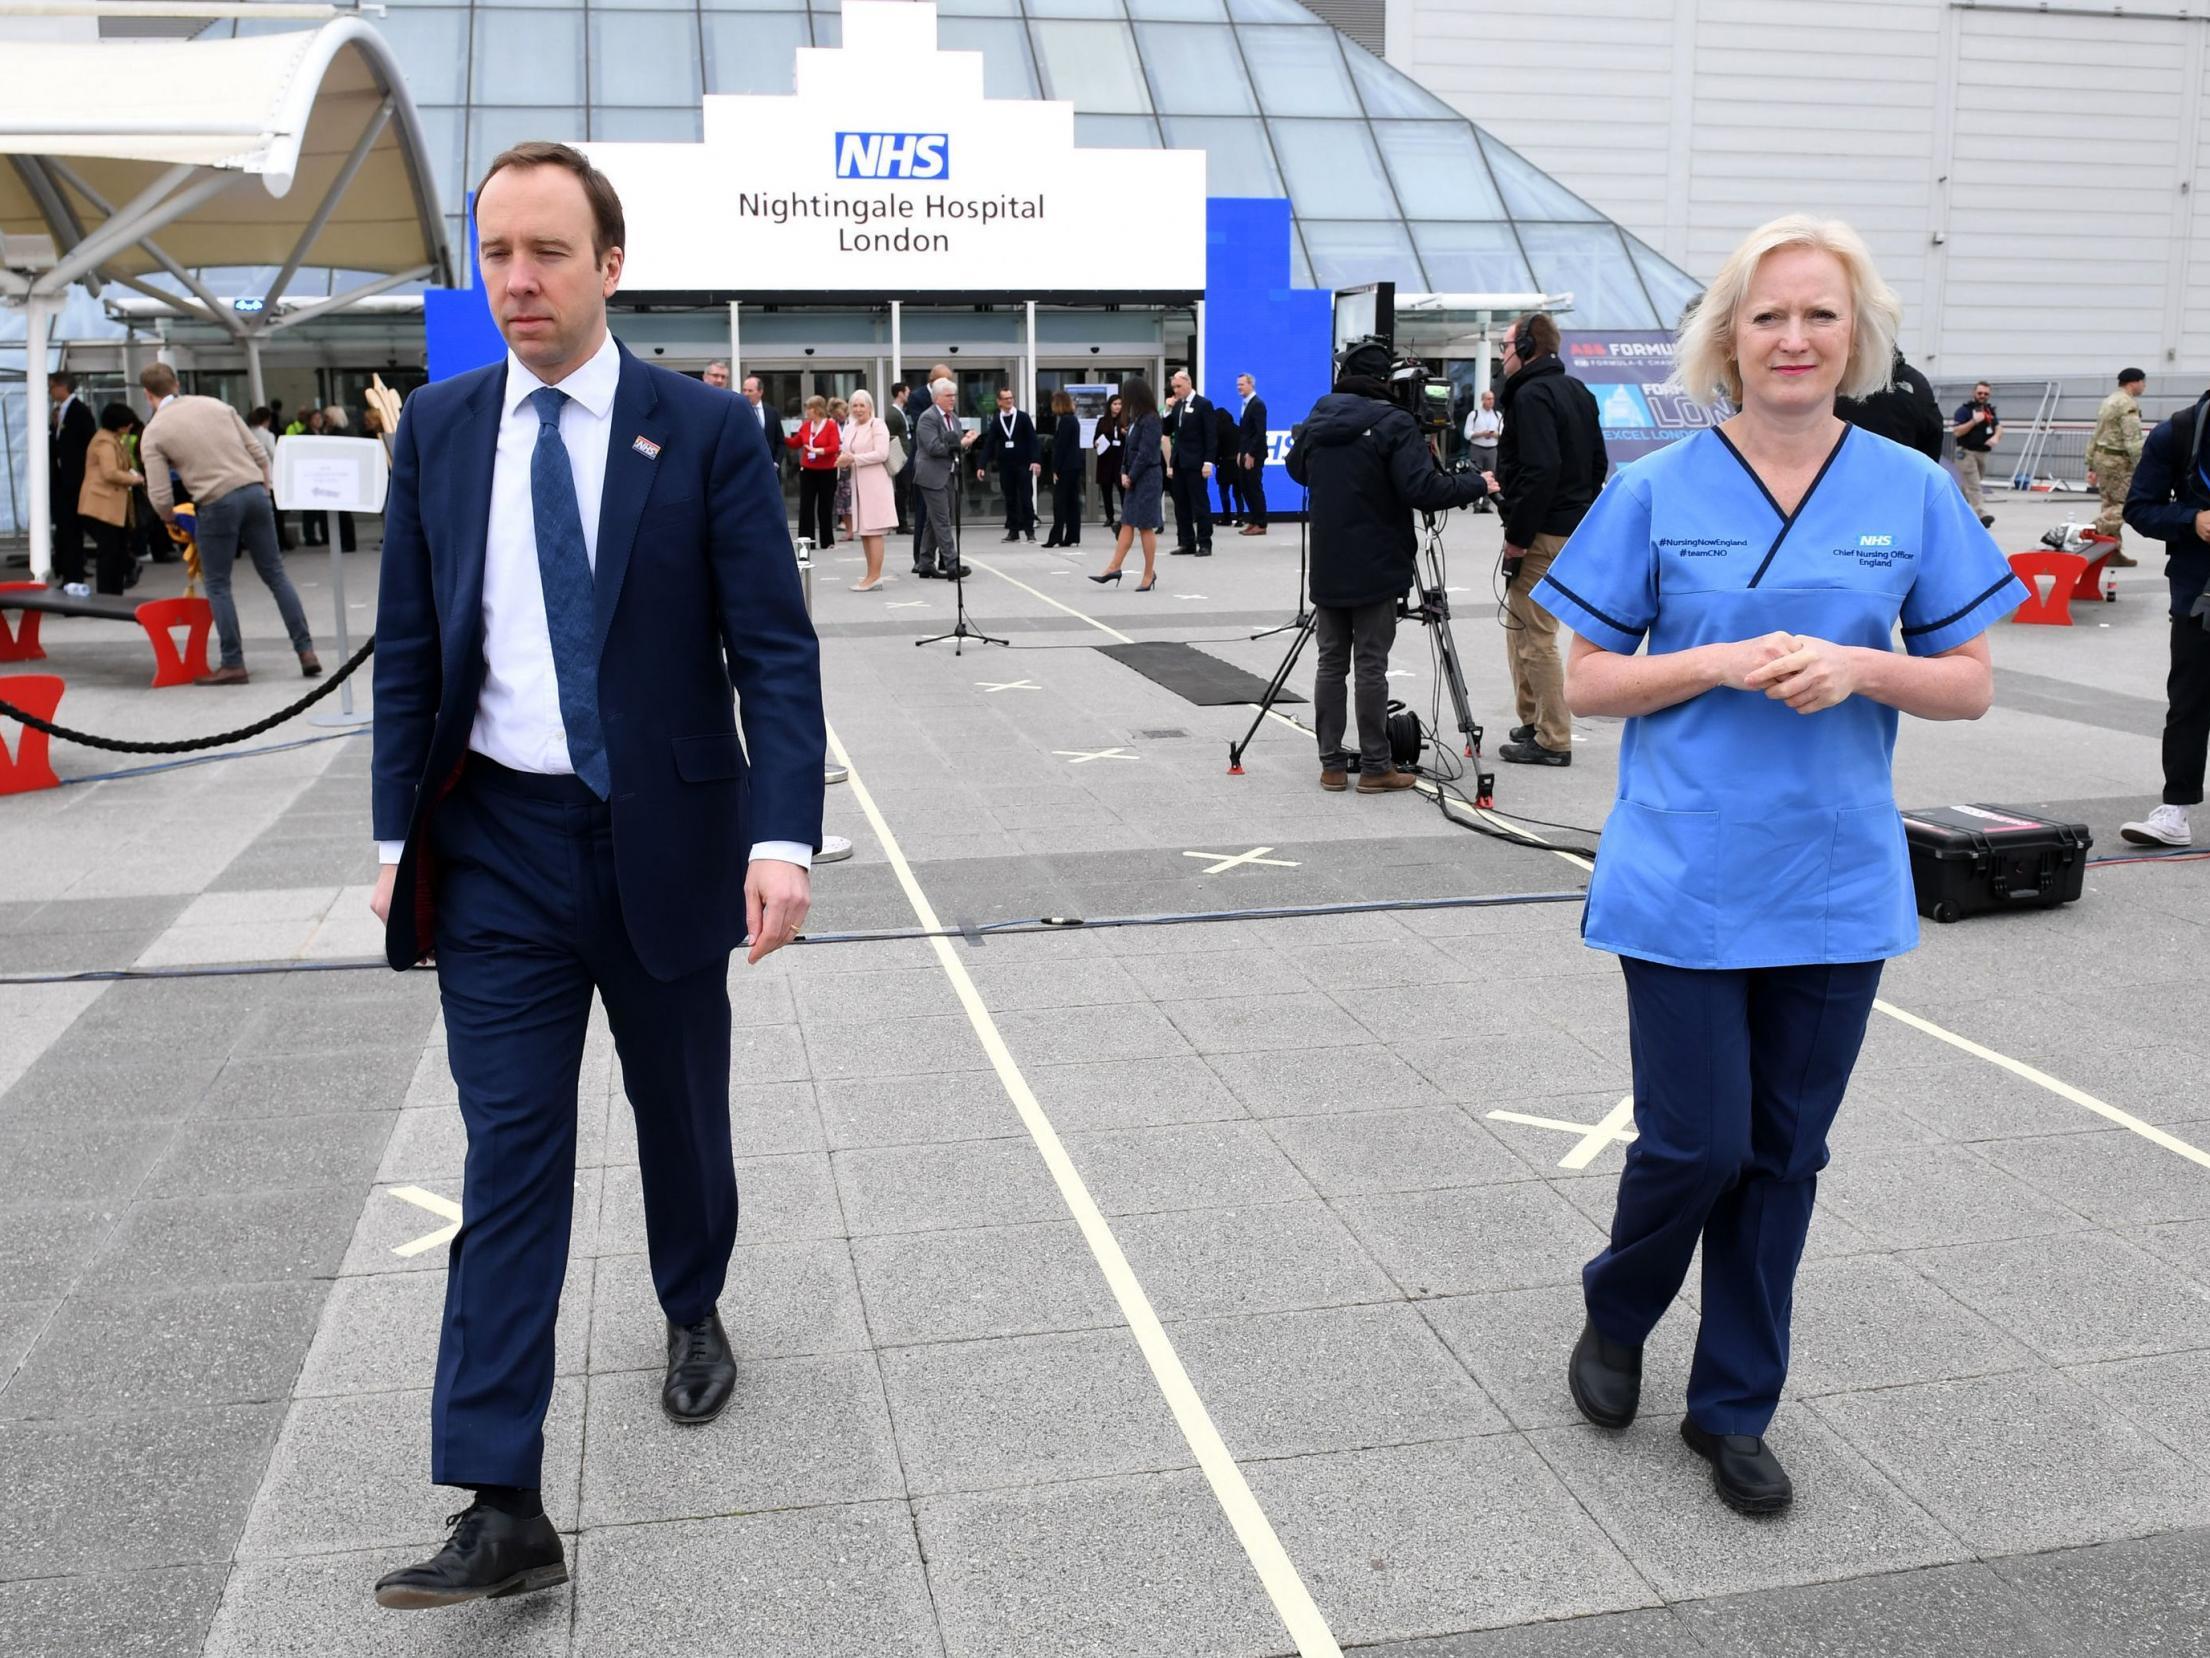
[217,1311]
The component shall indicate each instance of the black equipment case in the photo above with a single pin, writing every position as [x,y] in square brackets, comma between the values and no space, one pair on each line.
[1967,860]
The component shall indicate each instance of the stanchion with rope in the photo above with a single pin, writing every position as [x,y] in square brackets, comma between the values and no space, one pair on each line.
[834,848]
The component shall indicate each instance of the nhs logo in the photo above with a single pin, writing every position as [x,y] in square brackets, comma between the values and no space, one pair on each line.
[1876,541]
[893,155]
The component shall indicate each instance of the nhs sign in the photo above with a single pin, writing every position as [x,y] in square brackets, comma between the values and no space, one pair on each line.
[924,155]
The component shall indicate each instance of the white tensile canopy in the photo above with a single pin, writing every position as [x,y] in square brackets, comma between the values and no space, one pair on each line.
[264,150]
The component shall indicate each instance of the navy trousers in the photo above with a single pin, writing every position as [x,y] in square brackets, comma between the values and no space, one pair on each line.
[1737,1077]
[529,923]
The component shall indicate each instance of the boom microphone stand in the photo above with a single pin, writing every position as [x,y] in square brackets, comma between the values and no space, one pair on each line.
[960,631]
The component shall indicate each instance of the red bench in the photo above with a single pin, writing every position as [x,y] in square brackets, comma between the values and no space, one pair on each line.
[33,600]
[28,768]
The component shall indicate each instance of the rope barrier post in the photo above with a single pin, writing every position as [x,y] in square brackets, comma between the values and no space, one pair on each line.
[834,848]
[345,714]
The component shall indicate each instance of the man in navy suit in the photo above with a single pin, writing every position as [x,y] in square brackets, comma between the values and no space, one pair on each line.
[1009,443]
[582,554]
[1189,427]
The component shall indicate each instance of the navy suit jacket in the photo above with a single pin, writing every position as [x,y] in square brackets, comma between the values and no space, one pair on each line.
[696,590]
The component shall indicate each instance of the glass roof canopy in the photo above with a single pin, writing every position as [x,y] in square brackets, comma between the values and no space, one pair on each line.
[1385,181]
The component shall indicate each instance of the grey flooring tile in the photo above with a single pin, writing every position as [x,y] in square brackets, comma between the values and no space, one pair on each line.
[818,1583]
[768,1053]
[1653,1497]
[122,1493]
[2168,1395]
[859,1112]
[2076,1299]
[1131,1093]
[426,1143]
[2186,1244]
[1028,1410]
[352,1474]
[1064,1036]
[2115,1178]
[250,1155]
[799,1433]
[92,1162]
[1184,1166]
[44,1246]
[1606,1635]
[2021,1462]
[20,1324]
[2143,1597]
[884,994]
[196,1347]
[1481,1071]
[148,1614]
[1475,1239]
[179,1243]
[1870,1321]
[1957,1611]
[1141,1567]
[109,1089]
[1381,964]
[1324,1080]
[981,1281]
[1354,1154]
[1515,1343]
[1337,1379]
[1431,1539]
[930,1188]
[1272,1258]
[1087,981]
[780,1300]
[1921,1197]
[379,1332]
[765,1118]
[1190,975]
[779,1200]
[319,1606]
[1967,1099]
[284,1085]
[892,1047]
[1244,1023]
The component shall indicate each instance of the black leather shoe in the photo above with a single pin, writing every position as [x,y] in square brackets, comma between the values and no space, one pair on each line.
[1606,1378]
[1532,753]
[702,1372]
[488,1555]
[1748,1477]
[1523,734]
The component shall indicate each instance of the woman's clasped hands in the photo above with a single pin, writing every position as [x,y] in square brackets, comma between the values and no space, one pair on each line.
[1805,672]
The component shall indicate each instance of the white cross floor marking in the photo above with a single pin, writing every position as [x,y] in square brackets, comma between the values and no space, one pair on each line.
[909,604]
[443,1207]
[1010,685]
[1617,1127]
[1083,756]
[1230,860]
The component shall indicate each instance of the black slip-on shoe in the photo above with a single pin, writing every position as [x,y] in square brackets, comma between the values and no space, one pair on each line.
[1747,1476]
[1523,734]
[702,1371]
[1533,753]
[490,1554]
[1605,1377]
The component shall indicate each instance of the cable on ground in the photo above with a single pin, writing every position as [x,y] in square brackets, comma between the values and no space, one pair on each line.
[190,745]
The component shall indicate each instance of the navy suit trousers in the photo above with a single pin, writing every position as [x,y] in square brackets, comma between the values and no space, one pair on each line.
[1737,1078]
[529,923]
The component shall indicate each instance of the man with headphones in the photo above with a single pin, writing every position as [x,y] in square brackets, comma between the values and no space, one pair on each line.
[2170,502]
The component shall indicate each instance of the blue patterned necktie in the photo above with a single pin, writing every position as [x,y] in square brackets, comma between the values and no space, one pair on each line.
[565,568]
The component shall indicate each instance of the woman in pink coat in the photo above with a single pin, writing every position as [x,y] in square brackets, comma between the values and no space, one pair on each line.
[866,456]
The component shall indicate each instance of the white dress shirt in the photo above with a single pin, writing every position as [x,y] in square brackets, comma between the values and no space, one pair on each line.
[518,721]
[1483,426]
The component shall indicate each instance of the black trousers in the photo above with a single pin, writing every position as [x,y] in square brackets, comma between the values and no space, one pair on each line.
[1109,488]
[1192,508]
[817,505]
[1019,485]
[69,541]
[1231,497]
[1254,492]
[901,489]
[112,555]
[2187,714]
[1358,637]
[1066,508]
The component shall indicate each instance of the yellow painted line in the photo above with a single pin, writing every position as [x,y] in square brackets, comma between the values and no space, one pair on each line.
[1617,1125]
[984,564]
[1292,1601]
[2063,1090]
[443,1207]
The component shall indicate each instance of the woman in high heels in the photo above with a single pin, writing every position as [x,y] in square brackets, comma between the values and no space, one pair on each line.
[1110,430]
[865,459]
[1142,483]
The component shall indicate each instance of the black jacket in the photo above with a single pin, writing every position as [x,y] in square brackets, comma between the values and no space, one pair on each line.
[1021,449]
[2168,490]
[1905,413]
[1067,453]
[1191,427]
[66,457]
[1251,430]
[1368,470]
[1551,458]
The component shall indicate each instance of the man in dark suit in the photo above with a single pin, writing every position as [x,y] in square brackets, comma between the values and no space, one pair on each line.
[582,554]
[1009,443]
[1250,455]
[895,416]
[1189,471]
[771,423]
[72,426]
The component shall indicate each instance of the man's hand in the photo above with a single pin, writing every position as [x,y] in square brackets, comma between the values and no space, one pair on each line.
[1488,480]
[1208,469]
[1127,483]
[776,898]
[387,881]
[966,439]
[2202,526]
[980,474]
[1738,661]
[1035,469]
[1512,552]
[1816,674]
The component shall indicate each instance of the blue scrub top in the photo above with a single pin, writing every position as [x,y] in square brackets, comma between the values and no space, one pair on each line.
[1746,834]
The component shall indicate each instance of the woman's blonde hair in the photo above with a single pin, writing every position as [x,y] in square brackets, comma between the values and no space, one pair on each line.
[1705,363]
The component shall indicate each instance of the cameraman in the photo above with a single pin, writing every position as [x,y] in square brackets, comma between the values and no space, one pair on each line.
[1552,463]
[1368,470]
[2170,501]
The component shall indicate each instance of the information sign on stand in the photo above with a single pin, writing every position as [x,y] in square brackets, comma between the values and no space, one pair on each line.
[333,475]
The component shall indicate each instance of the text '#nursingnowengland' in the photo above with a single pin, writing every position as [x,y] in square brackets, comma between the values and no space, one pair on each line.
[856,216]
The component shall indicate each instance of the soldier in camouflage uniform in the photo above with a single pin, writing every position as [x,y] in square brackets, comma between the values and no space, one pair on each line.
[2111,456]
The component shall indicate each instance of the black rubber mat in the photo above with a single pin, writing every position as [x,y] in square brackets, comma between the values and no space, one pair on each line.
[1192,674]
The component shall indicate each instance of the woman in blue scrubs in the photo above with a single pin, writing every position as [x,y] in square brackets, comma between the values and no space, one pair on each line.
[1753,875]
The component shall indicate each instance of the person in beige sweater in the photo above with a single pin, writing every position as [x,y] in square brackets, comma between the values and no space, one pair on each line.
[104,503]
[226,479]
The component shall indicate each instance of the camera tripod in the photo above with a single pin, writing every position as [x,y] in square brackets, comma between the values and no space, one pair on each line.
[1303,618]
[1433,609]
[961,630]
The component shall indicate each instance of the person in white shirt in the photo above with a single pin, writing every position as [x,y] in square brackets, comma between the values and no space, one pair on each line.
[1484,428]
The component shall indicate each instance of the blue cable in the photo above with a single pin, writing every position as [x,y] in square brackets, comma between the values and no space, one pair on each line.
[206,759]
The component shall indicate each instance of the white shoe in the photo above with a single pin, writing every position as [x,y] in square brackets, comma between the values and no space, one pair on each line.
[76,589]
[2166,826]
